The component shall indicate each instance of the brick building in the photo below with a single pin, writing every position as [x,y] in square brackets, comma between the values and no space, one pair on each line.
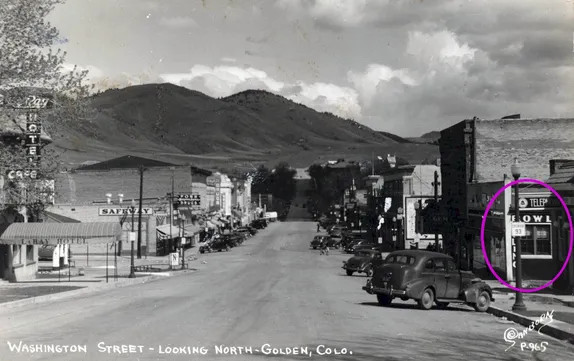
[475,152]
[95,194]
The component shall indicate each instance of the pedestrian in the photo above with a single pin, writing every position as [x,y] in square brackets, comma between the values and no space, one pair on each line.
[318,227]
[325,249]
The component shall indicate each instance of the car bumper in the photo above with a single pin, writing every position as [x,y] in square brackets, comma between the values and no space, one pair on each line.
[354,269]
[384,291]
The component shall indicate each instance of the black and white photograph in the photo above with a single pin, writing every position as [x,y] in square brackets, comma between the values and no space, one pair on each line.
[286,179]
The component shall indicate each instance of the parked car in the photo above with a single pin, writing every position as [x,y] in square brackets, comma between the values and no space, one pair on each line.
[362,262]
[349,237]
[244,233]
[371,246]
[250,229]
[231,239]
[427,277]
[259,223]
[219,244]
[319,241]
[316,242]
[351,247]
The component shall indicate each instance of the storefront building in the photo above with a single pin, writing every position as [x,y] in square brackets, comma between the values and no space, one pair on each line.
[109,192]
[495,231]
[406,186]
[477,151]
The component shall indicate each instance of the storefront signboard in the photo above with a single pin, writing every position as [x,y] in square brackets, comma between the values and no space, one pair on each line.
[540,201]
[117,211]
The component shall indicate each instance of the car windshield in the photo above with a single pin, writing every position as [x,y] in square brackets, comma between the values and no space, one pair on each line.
[400,259]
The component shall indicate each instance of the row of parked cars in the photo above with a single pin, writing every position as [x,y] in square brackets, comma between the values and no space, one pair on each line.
[426,277]
[226,241]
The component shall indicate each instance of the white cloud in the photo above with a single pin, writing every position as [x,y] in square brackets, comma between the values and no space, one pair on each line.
[178,22]
[221,81]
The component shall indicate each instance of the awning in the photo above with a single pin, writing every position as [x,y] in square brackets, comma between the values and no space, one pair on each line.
[188,230]
[61,233]
[168,231]
[191,229]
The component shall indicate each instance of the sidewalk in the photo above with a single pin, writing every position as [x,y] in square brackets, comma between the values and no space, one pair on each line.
[54,285]
[537,305]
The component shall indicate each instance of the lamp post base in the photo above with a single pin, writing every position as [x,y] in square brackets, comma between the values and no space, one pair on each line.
[519,306]
[132,274]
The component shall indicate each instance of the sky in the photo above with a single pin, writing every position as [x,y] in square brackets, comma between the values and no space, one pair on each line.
[406,67]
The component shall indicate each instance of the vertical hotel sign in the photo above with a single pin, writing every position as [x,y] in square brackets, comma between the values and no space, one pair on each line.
[215,182]
[30,108]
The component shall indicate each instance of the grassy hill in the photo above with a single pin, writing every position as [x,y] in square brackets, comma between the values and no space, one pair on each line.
[175,124]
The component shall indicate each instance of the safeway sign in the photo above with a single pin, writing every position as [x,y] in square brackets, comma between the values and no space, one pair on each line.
[124,211]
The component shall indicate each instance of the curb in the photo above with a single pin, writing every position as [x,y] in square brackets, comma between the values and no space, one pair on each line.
[88,290]
[549,329]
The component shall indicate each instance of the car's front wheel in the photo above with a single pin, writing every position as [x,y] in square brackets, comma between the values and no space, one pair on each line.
[314,247]
[482,302]
[349,273]
[427,299]
[384,300]
[369,272]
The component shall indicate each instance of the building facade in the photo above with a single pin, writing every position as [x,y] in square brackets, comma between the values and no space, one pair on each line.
[406,186]
[479,154]
[106,196]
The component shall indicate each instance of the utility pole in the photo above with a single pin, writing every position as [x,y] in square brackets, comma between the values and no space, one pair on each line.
[373,164]
[436,183]
[141,171]
[171,200]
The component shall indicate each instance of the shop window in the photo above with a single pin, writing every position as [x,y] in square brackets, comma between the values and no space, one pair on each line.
[537,241]
[29,254]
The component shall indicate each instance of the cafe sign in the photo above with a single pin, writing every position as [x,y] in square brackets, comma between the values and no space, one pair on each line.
[117,211]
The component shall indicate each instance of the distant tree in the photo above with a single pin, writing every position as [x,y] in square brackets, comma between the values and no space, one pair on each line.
[283,184]
[261,180]
[30,66]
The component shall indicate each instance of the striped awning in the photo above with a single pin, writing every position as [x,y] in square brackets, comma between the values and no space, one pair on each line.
[61,233]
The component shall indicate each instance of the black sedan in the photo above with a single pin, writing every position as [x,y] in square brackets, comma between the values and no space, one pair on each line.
[362,262]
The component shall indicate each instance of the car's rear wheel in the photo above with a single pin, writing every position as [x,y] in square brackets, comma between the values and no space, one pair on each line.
[482,302]
[349,273]
[442,305]
[314,247]
[384,300]
[201,251]
[427,299]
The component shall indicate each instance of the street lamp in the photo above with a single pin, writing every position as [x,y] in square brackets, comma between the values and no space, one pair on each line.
[518,302]
[132,241]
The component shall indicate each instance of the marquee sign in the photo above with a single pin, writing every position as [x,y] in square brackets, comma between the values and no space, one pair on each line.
[118,211]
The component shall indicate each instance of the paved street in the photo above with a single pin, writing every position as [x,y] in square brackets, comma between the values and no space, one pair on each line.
[271,290]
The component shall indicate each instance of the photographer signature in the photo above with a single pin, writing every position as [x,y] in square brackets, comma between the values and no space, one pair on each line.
[511,334]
